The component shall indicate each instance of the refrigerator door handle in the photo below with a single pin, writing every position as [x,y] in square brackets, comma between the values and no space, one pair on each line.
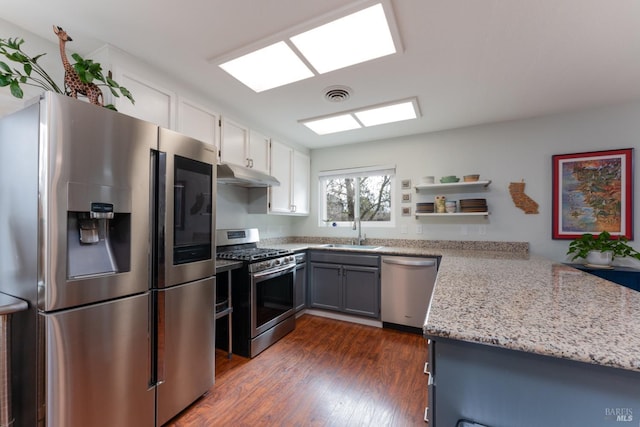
[160,337]
[159,221]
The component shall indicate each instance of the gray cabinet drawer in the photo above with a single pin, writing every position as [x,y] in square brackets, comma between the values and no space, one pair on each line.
[345,258]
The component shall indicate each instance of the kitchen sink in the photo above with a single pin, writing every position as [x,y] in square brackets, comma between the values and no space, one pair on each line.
[345,246]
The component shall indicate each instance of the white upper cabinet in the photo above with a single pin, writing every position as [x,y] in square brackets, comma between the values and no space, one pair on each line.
[244,147]
[292,169]
[153,103]
[258,153]
[234,142]
[301,173]
[197,122]
[280,200]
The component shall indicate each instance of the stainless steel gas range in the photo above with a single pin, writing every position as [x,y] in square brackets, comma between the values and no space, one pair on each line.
[262,290]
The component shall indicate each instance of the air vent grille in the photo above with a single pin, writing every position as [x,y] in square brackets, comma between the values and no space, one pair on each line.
[337,93]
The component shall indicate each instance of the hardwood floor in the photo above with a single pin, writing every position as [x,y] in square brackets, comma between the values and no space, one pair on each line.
[325,373]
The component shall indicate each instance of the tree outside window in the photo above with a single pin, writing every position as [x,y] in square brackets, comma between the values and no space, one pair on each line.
[347,198]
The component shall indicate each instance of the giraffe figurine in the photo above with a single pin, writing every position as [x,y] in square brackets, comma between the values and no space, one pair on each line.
[72,83]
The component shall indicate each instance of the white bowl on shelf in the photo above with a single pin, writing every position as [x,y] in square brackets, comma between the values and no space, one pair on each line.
[428,179]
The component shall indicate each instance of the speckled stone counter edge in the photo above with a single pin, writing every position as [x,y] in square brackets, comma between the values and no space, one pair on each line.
[521,248]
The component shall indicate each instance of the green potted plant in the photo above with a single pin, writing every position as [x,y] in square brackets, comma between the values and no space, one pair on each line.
[30,72]
[601,249]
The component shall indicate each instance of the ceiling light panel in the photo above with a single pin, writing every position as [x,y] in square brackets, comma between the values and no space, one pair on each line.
[269,67]
[388,114]
[350,40]
[333,124]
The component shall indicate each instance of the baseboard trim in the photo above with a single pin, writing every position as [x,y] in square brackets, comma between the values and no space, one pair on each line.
[339,316]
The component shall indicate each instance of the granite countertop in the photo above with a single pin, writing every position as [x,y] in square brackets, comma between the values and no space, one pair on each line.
[537,306]
[512,300]
[404,251]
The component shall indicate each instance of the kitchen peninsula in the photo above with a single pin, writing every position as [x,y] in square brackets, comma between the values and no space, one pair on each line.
[529,343]
[521,340]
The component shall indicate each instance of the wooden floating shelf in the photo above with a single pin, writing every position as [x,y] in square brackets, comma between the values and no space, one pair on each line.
[461,185]
[450,215]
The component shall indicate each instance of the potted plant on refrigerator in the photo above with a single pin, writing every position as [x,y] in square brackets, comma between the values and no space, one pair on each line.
[602,249]
[81,76]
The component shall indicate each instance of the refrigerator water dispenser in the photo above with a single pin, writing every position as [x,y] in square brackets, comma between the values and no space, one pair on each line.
[98,241]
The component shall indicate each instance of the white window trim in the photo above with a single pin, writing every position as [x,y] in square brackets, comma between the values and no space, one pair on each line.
[357,172]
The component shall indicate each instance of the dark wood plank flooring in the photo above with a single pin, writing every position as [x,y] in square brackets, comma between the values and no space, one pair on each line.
[325,373]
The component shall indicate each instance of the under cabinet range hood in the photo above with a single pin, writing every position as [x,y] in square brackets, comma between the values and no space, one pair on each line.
[229,173]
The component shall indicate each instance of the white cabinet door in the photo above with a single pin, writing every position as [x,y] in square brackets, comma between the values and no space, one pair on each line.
[234,141]
[258,151]
[153,103]
[301,172]
[281,164]
[197,122]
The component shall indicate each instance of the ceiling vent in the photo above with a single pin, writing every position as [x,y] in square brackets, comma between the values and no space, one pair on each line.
[337,93]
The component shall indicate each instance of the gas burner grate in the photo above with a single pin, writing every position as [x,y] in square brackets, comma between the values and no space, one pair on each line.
[252,254]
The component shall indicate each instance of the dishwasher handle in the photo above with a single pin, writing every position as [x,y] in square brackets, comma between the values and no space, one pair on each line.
[418,262]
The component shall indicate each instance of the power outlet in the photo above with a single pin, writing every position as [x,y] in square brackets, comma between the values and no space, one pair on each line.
[419,229]
[482,230]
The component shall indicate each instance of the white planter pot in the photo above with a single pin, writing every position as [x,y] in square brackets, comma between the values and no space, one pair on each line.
[599,258]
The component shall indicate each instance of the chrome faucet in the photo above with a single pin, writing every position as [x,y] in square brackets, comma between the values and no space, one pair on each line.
[357,225]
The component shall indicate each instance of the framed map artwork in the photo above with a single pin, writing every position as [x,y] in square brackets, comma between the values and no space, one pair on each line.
[592,192]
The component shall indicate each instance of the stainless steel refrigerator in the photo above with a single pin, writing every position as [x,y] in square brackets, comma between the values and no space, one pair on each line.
[106,230]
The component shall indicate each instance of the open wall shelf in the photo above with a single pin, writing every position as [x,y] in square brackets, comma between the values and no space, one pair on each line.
[462,186]
[451,215]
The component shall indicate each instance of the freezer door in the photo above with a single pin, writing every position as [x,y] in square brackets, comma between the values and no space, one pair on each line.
[97,365]
[186,345]
[94,195]
[186,201]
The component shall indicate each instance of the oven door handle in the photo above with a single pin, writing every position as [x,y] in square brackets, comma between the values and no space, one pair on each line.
[271,272]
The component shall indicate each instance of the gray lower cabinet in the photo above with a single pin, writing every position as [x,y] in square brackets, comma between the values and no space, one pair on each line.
[301,287]
[483,385]
[345,282]
[361,290]
[325,286]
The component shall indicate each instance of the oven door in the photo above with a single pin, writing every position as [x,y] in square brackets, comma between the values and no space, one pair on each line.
[272,298]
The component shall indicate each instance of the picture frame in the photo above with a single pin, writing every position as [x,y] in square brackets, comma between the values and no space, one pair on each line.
[592,192]
[406,197]
[405,184]
[406,211]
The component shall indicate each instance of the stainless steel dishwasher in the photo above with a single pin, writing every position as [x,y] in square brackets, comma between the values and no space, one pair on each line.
[407,284]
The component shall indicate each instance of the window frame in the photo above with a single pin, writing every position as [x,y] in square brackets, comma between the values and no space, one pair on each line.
[359,172]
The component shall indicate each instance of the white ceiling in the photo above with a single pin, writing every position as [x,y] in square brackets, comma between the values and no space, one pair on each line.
[467,61]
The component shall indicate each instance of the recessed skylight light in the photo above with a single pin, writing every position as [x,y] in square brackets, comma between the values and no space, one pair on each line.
[322,45]
[387,114]
[350,40]
[395,111]
[269,67]
[332,124]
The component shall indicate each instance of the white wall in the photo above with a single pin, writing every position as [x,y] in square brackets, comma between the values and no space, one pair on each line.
[232,204]
[504,153]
